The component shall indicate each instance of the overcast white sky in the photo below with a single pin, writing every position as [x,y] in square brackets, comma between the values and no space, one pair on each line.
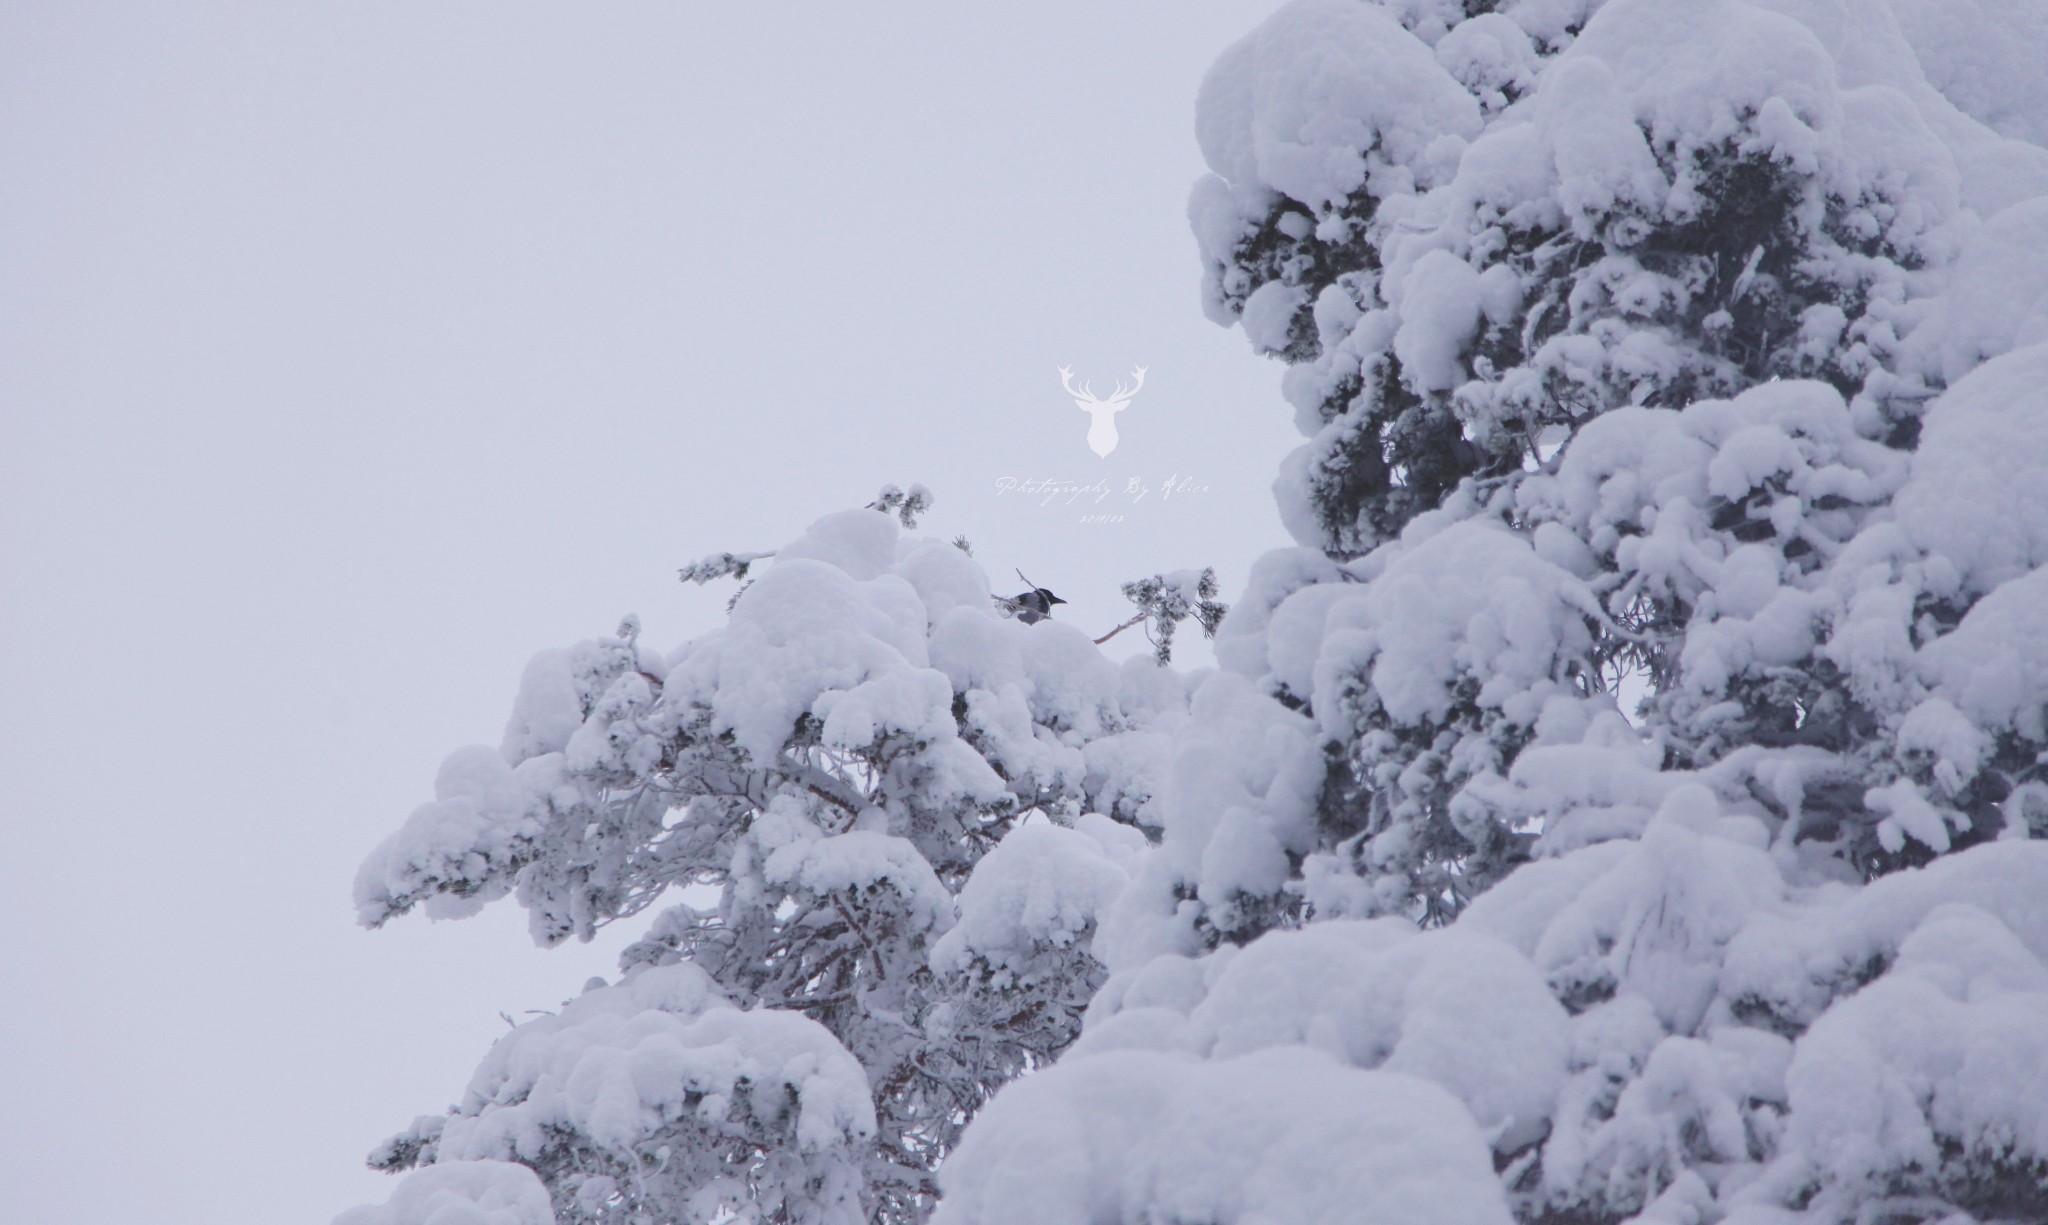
[350,352]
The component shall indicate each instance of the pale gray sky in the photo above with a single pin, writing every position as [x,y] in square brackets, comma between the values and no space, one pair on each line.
[350,352]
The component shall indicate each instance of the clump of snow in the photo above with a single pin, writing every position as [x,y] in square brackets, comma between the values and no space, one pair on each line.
[864,860]
[1268,315]
[1997,300]
[1471,601]
[862,543]
[1994,666]
[1459,1009]
[658,1069]
[804,628]
[1940,730]
[1241,787]
[1701,72]
[1325,97]
[1933,1075]
[1491,56]
[1789,967]
[461,1193]
[560,688]
[1975,497]
[455,852]
[622,1064]
[1439,304]
[1041,888]
[1137,1136]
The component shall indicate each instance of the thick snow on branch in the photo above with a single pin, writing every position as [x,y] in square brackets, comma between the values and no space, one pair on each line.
[1620,1024]
[1154,1137]
[461,1193]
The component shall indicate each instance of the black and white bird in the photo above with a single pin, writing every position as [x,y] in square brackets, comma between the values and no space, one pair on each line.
[1032,606]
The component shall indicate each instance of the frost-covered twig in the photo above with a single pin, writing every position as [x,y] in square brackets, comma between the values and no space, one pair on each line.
[1165,600]
[906,506]
[719,565]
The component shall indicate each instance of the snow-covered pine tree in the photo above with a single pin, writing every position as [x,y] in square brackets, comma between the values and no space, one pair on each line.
[883,806]
[1476,230]
[1689,350]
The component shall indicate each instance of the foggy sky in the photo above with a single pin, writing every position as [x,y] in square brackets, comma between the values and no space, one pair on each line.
[352,352]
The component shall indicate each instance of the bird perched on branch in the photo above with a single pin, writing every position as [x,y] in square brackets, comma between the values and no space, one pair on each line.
[1032,606]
